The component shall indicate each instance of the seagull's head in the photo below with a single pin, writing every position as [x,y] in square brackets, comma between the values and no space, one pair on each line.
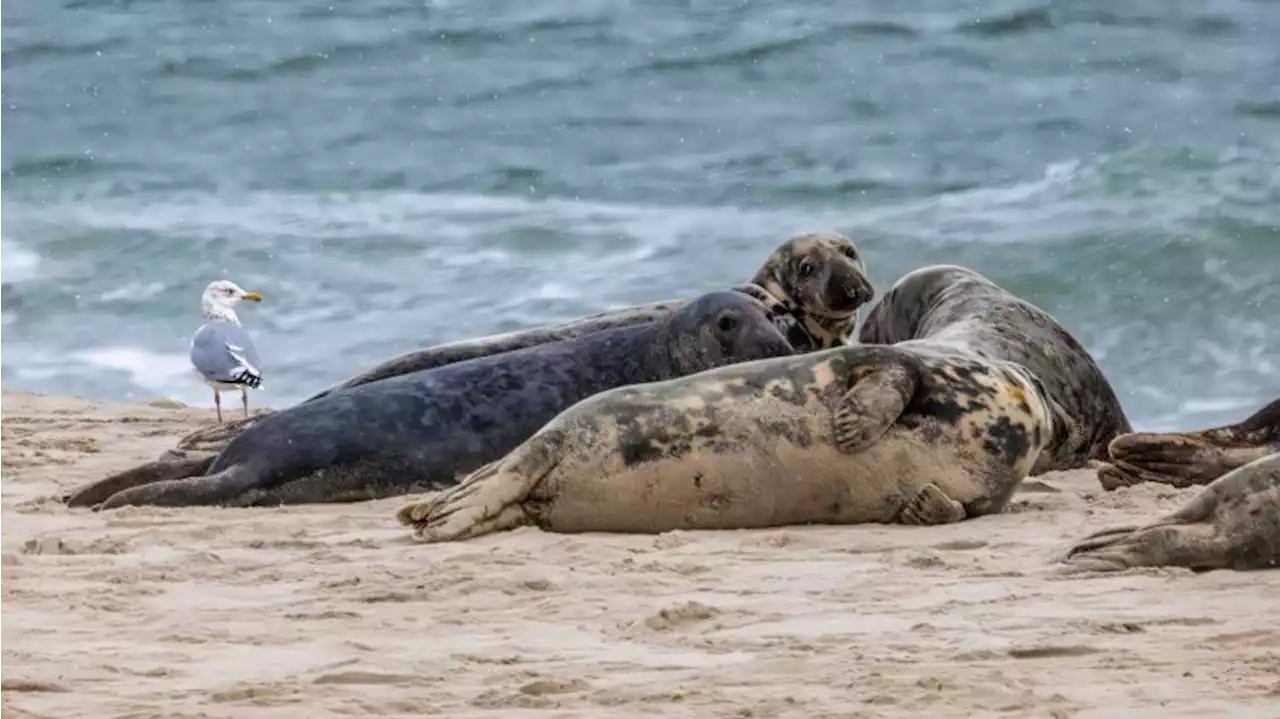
[222,295]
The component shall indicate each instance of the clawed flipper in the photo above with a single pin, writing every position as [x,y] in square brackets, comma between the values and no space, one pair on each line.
[931,506]
[1183,459]
[872,405]
[1193,546]
[487,501]
[1110,550]
[1121,474]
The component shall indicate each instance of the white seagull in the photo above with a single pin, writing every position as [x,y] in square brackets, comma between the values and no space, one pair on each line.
[221,350]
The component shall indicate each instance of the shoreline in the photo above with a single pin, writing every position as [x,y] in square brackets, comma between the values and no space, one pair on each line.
[333,610]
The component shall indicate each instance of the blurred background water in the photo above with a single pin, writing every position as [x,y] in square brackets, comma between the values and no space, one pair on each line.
[392,174]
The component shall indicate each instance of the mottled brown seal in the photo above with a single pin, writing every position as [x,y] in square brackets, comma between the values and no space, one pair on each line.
[1234,523]
[956,307]
[1185,459]
[921,435]
[814,283]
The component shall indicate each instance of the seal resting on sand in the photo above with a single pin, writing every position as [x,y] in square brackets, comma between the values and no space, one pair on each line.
[814,283]
[1185,459]
[424,430]
[951,306]
[1234,523]
[920,435]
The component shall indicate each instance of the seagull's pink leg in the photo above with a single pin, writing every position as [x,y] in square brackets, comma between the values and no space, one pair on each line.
[217,403]
[244,400]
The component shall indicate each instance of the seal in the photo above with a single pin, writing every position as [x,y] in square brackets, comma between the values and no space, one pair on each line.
[1186,459]
[423,430]
[952,306]
[814,283]
[1233,523]
[861,434]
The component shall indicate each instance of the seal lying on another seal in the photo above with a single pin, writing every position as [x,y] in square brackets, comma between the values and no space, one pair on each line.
[1185,459]
[951,306]
[1234,523]
[422,430]
[813,282]
[913,435]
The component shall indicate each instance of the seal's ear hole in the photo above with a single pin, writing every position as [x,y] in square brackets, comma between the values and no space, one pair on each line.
[727,322]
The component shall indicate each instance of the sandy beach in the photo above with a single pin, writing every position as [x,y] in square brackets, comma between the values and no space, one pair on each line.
[325,611]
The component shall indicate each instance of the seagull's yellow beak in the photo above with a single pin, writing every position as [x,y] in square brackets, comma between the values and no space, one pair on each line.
[251,296]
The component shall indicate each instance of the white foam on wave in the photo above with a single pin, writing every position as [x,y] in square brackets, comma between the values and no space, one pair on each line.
[155,371]
[357,216]
[132,291]
[17,262]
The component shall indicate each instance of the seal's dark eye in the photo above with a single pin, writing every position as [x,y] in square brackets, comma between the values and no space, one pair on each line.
[727,323]
[806,269]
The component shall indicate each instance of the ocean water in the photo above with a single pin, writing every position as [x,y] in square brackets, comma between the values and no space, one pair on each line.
[392,174]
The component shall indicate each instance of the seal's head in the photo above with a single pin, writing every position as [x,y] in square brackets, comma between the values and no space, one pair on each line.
[821,278]
[722,328]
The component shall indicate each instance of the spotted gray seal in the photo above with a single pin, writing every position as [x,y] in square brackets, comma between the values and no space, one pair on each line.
[1233,523]
[1185,459]
[813,282]
[914,435]
[425,429]
[956,307]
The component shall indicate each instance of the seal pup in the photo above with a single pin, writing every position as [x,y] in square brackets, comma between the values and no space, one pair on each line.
[1233,523]
[862,434]
[423,430]
[814,283]
[1185,459]
[952,306]
[222,353]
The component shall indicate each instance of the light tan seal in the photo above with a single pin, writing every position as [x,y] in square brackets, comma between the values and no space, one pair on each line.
[841,436]
[1234,523]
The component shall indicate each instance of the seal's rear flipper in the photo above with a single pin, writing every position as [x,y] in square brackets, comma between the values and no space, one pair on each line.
[1194,546]
[215,489]
[873,403]
[149,473]
[931,506]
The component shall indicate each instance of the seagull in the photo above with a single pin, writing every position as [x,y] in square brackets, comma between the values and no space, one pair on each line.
[221,350]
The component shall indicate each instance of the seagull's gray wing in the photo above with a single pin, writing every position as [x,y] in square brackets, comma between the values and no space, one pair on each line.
[223,352]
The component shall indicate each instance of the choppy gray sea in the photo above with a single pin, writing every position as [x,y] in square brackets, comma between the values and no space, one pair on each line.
[392,174]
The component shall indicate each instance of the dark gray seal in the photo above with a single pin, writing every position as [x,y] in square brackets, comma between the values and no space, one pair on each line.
[920,435]
[423,430]
[1185,459]
[1234,523]
[956,307]
[814,283]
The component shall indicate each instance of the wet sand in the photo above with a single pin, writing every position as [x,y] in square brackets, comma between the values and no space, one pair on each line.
[327,611]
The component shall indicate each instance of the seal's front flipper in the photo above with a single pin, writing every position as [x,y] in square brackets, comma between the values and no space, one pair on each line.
[149,473]
[873,403]
[931,506]
[215,489]
[489,500]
